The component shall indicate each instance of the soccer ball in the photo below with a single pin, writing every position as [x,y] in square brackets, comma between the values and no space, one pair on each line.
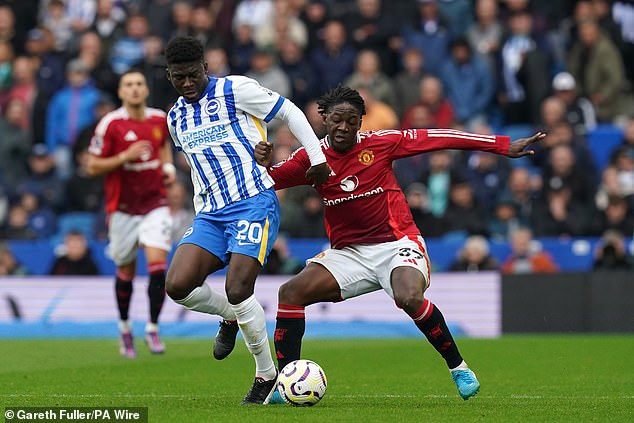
[302,382]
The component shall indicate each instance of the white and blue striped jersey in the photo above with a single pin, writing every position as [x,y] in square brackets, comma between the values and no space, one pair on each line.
[217,135]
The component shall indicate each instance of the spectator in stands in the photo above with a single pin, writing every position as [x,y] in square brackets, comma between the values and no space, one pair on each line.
[153,66]
[609,187]
[202,27]
[611,253]
[91,53]
[579,110]
[429,225]
[464,215]
[333,60]
[108,23]
[410,76]
[437,178]
[24,86]
[374,27]
[487,176]
[43,178]
[524,62]
[267,72]
[597,66]
[521,188]
[128,49]
[41,218]
[468,84]
[71,109]
[564,170]
[81,14]
[623,160]
[485,35]
[9,264]
[300,73]
[74,257]
[180,19]
[430,94]
[429,33]
[6,69]
[284,26]
[59,23]
[253,13]
[552,111]
[15,144]
[217,61]
[505,219]
[378,115]
[315,14]
[561,134]
[242,49]
[622,12]
[368,75]
[474,256]
[560,214]
[527,255]
[618,216]
[40,44]
[17,225]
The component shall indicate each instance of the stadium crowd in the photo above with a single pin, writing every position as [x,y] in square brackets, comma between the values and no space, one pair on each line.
[486,66]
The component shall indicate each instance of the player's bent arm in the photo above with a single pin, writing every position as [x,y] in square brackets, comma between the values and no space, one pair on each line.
[100,165]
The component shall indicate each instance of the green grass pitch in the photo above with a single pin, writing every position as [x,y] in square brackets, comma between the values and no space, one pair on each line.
[524,379]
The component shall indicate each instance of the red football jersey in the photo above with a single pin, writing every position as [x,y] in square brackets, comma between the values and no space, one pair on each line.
[136,187]
[363,201]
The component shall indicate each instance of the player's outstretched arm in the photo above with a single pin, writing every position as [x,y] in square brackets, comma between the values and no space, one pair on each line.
[516,148]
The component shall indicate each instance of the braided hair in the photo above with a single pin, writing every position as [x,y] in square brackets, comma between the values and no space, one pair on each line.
[340,94]
[184,50]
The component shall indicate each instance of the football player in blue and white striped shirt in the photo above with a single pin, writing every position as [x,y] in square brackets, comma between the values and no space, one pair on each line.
[216,123]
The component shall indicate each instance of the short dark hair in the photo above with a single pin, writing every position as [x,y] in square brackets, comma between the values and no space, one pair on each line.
[184,50]
[340,94]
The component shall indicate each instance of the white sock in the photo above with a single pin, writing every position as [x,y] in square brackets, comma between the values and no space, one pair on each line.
[124,326]
[151,327]
[250,316]
[206,300]
[461,366]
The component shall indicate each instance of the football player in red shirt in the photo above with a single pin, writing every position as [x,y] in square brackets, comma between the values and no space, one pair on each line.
[374,241]
[130,147]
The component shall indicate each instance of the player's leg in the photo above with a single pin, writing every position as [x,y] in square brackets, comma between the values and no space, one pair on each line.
[123,244]
[154,238]
[408,282]
[251,231]
[312,285]
[123,292]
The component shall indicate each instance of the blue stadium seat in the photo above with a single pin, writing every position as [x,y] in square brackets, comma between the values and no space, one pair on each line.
[83,222]
[602,142]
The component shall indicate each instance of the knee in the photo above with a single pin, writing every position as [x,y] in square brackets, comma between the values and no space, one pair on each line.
[236,293]
[284,295]
[410,300]
[177,286]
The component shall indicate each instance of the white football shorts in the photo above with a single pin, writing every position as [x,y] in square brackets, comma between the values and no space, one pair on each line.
[364,268]
[128,232]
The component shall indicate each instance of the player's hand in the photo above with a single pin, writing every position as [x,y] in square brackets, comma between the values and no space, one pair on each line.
[263,153]
[138,150]
[318,174]
[169,174]
[516,148]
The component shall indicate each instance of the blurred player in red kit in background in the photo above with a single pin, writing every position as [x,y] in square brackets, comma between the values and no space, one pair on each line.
[130,148]
[374,241]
